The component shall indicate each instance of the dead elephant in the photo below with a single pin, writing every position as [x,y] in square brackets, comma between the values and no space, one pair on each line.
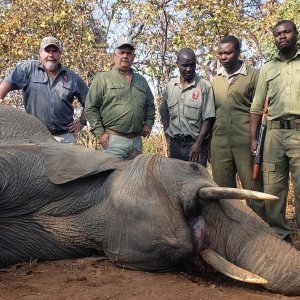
[152,213]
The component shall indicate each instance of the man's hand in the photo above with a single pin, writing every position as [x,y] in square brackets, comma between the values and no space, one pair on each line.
[103,140]
[195,152]
[75,127]
[146,131]
[253,147]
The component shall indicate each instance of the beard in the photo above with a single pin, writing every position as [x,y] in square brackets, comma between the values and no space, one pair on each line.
[51,66]
[285,49]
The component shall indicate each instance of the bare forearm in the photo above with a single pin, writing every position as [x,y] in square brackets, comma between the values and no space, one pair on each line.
[5,88]
[255,121]
[205,130]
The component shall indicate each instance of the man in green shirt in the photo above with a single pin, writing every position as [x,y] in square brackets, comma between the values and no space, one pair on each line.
[234,88]
[279,81]
[120,105]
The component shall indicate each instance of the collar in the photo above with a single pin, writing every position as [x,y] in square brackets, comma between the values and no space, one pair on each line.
[242,70]
[114,68]
[278,57]
[61,68]
[192,83]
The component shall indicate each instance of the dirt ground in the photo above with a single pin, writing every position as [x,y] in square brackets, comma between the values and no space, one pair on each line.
[97,278]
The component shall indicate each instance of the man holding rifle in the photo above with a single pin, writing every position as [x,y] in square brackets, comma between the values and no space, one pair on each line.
[279,81]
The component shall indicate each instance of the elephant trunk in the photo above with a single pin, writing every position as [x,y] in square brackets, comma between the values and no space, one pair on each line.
[240,236]
[274,260]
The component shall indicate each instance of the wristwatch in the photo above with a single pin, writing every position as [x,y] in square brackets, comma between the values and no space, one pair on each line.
[83,122]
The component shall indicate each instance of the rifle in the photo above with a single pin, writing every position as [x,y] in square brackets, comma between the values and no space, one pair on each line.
[260,144]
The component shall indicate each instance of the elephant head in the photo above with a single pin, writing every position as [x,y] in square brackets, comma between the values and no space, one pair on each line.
[151,213]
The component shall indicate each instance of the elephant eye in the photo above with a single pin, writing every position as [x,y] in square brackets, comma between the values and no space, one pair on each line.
[195,167]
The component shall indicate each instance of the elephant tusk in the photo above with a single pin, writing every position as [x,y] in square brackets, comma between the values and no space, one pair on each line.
[213,193]
[229,269]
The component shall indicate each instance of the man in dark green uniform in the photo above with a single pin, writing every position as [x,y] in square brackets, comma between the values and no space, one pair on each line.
[234,88]
[279,81]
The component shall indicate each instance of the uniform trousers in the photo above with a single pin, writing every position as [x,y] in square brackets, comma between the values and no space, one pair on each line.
[281,157]
[180,148]
[230,160]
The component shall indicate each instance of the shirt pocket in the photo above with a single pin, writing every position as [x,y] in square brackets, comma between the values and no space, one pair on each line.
[272,75]
[192,109]
[116,91]
[38,84]
[269,173]
[64,91]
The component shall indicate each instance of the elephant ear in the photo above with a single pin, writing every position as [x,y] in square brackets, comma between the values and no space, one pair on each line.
[66,162]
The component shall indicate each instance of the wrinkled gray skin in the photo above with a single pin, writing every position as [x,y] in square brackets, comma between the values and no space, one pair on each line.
[136,212]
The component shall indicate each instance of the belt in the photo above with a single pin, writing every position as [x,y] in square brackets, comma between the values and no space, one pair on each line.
[283,124]
[59,132]
[182,138]
[128,135]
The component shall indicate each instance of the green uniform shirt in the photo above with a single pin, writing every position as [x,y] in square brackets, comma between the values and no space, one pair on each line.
[184,110]
[114,103]
[280,81]
[233,100]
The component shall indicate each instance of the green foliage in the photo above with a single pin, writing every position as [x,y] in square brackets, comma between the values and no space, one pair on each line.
[88,28]
[288,10]
[28,21]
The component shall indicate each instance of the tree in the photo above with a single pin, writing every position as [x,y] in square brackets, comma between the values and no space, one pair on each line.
[24,23]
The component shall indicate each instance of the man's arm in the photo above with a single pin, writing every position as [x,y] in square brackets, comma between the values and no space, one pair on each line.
[204,132]
[255,121]
[150,108]
[93,104]
[81,93]
[164,111]
[5,88]
[256,109]
[77,125]
[208,115]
